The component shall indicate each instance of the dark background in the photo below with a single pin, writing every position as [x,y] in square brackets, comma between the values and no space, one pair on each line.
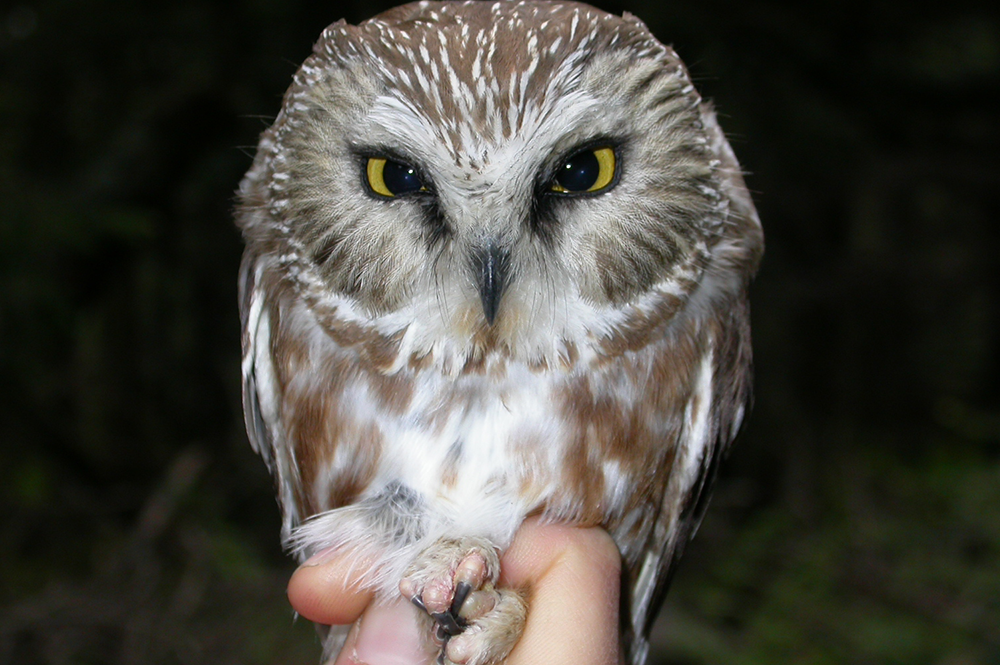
[858,520]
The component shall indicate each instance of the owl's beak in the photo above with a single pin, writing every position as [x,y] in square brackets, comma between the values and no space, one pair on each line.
[491,264]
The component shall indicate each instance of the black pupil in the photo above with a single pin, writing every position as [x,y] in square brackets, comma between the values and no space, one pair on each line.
[400,178]
[579,173]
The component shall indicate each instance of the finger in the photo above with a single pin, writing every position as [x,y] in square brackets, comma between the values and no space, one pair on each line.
[574,577]
[326,589]
[386,634]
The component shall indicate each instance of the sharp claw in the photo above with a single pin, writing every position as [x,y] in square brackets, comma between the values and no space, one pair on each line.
[462,591]
[448,623]
[419,602]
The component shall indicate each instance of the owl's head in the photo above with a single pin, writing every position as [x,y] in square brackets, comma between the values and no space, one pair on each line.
[507,174]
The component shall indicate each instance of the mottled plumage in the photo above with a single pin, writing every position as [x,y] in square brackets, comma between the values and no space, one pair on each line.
[436,365]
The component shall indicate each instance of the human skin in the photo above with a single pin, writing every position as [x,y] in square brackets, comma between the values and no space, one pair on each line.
[572,577]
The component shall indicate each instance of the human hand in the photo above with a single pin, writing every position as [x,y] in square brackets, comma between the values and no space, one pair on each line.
[572,578]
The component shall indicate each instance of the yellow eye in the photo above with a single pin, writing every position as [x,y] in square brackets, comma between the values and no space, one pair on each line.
[390,178]
[586,171]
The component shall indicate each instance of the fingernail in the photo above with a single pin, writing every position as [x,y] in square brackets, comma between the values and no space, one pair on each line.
[389,635]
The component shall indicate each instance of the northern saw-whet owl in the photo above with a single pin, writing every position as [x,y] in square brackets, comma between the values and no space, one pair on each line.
[497,261]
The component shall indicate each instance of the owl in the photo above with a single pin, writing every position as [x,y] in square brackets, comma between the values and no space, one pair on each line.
[497,262]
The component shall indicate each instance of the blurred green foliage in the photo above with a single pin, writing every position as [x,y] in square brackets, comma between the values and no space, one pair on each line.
[857,520]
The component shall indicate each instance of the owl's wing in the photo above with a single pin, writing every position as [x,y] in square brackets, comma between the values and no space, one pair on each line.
[261,394]
[722,393]
[251,311]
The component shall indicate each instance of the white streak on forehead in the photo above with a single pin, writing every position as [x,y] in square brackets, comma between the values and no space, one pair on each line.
[446,75]
[496,156]
[443,41]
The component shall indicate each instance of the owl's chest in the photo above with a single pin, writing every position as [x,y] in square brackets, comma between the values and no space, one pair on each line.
[459,438]
[474,446]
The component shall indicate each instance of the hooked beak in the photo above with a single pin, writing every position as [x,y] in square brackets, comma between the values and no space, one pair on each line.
[491,265]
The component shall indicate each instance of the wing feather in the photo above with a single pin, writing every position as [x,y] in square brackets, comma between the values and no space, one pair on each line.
[712,419]
[251,312]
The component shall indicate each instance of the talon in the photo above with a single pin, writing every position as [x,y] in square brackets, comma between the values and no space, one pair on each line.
[462,591]
[448,623]
[470,621]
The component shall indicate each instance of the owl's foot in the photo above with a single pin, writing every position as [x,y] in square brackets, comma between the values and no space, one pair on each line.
[474,623]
